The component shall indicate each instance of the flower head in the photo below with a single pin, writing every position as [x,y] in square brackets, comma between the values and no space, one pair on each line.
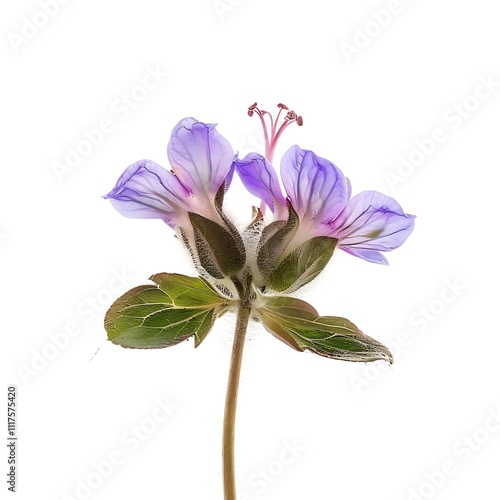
[201,160]
[365,225]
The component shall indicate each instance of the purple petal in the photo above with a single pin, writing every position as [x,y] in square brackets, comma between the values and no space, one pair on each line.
[372,221]
[349,188]
[260,178]
[369,255]
[147,191]
[230,174]
[200,157]
[317,188]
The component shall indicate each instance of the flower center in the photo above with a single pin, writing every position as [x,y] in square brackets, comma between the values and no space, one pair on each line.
[270,126]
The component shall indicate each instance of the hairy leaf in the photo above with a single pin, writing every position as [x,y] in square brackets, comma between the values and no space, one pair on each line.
[165,313]
[298,325]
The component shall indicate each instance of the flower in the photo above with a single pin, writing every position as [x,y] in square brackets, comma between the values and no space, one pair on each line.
[201,160]
[251,270]
[365,225]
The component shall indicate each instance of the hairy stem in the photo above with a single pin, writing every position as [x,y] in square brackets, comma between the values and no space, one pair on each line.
[231,401]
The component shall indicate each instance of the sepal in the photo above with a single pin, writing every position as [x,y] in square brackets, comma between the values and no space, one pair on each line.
[274,240]
[220,252]
[302,265]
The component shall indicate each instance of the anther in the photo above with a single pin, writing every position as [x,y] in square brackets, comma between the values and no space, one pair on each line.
[251,109]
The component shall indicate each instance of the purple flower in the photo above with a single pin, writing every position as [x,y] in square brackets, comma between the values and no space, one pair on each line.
[201,160]
[365,225]
[260,179]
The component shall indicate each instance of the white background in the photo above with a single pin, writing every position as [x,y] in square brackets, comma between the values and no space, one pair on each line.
[360,431]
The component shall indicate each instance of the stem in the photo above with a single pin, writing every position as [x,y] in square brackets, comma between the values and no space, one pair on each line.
[231,400]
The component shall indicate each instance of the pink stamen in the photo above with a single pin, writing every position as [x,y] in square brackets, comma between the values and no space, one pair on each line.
[271,136]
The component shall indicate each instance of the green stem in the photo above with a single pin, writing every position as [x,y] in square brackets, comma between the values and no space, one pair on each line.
[231,401]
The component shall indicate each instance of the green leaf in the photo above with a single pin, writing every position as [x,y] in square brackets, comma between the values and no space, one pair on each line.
[274,240]
[163,314]
[298,325]
[302,265]
[221,254]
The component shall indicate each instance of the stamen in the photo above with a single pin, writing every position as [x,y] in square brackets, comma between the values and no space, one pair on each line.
[251,108]
[271,135]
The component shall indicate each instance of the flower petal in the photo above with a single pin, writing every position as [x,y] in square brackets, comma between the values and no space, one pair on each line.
[316,187]
[372,221]
[200,157]
[369,255]
[147,191]
[260,178]
[230,174]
